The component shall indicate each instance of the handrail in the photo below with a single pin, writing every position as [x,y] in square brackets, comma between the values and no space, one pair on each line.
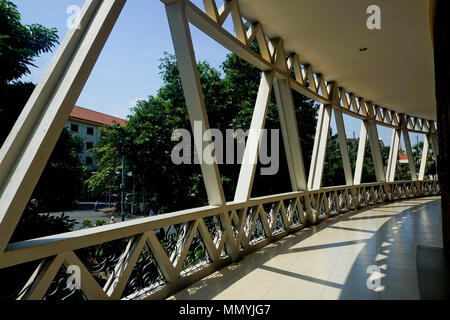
[275,222]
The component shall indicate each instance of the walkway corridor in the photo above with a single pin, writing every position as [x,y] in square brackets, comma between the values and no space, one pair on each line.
[331,260]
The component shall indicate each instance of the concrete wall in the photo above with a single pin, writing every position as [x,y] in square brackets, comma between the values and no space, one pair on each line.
[83,134]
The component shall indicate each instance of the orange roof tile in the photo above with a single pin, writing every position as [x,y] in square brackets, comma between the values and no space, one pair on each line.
[80,113]
[403,156]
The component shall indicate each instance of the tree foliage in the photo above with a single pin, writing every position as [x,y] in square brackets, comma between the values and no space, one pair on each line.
[146,139]
[333,174]
[19,46]
[62,179]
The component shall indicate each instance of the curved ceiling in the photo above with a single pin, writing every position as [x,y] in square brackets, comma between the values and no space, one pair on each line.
[397,69]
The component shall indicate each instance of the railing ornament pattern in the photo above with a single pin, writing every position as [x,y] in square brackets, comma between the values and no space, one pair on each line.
[160,255]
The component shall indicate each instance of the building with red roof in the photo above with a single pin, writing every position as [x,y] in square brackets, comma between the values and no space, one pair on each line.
[94,117]
[86,124]
[403,158]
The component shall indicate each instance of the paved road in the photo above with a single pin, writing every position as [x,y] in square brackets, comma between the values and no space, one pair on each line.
[85,211]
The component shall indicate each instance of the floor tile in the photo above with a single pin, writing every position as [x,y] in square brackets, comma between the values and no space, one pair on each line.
[293,291]
[357,256]
[331,293]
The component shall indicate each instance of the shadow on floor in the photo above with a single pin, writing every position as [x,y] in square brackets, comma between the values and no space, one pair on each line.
[388,248]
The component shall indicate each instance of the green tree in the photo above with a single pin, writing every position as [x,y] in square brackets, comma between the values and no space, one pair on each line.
[333,173]
[242,82]
[430,167]
[62,179]
[146,139]
[19,46]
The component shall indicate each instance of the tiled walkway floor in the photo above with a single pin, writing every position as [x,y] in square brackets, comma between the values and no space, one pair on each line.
[331,260]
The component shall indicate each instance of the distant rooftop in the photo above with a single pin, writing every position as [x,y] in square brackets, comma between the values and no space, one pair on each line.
[84,114]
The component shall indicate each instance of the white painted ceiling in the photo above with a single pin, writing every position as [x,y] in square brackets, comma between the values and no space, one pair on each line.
[397,70]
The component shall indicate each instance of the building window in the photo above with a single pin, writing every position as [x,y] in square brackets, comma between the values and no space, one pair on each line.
[89,145]
[90,131]
[74,127]
[89,161]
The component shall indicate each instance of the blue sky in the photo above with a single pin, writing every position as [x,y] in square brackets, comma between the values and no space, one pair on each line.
[128,66]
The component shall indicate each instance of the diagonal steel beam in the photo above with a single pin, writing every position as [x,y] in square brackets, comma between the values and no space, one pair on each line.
[424,158]
[33,137]
[320,148]
[250,159]
[412,165]
[361,151]
[40,280]
[291,138]
[393,155]
[187,65]
[342,136]
[376,152]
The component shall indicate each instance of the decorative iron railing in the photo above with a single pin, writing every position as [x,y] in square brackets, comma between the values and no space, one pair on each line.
[157,256]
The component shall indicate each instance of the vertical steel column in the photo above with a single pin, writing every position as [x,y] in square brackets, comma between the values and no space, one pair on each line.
[435,146]
[182,41]
[393,155]
[435,143]
[291,139]
[320,148]
[423,160]
[361,151]
[376,152]
[412,165]
[342,136]
[184,51]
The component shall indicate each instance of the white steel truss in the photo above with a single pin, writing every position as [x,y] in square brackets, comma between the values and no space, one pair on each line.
[320,148]
[31,141]
[423,160]
[289,128]
[246,224]
[248,167]
[342,136]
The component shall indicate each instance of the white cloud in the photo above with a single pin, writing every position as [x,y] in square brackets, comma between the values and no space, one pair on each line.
[133,102]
